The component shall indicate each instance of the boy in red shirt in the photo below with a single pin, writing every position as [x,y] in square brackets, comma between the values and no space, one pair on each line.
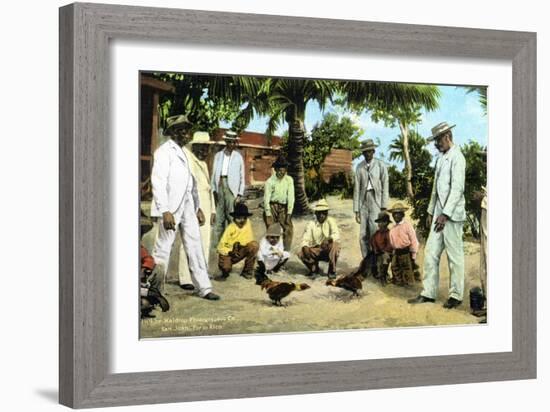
[405,245]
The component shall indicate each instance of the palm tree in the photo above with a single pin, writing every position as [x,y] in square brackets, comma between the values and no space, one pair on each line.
[395,104]
[285,100]
[482,95]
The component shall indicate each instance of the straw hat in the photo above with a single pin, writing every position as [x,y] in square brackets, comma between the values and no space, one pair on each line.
[230,135]
[439,129]
[321,206]
[179,121]
[368,145]
[398,207]
[200,138]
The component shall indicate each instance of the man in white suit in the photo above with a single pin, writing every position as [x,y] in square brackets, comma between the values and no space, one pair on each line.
[447,204]
[199,169]
[370,193]
[176,200]
[227,183]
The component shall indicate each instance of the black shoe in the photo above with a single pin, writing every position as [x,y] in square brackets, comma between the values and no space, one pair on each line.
[452,303]
[420,299]
[156,298]
[247,275]
[211,296]
[222,277]
[187,286]
[332,275]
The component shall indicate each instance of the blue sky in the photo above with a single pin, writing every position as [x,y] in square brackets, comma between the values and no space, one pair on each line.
[456,106]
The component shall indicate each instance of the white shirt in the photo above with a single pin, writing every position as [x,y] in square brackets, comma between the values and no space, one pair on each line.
[225,164]
[369,184]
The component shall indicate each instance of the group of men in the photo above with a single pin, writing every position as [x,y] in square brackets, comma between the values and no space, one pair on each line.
[187,199]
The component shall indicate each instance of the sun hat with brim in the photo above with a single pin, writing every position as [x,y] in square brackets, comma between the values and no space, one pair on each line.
[321,206]
[398,207]
[179,121]
[240,210]
[368,145]
[280,162]
[439,129]
[382,217]
[200,138]
[230,135]
[274,230]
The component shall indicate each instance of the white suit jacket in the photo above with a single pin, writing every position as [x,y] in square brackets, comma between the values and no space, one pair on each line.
[378,174]
[448,187]
[235,173]
[171,179]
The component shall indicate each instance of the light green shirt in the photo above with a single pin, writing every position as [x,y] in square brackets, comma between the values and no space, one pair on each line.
[316,233]
[280,191]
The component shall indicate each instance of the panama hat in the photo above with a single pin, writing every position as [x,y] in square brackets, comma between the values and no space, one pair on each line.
[368,145]
[240,210]
[274,230]
[200,138]
[230,135]
[439,129]
[382,217]
[177,122]
[398,207]
[321,206]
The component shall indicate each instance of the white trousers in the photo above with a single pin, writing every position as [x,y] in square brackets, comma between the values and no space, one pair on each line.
[450,240]
[188,226]
[184,273]
[369,213]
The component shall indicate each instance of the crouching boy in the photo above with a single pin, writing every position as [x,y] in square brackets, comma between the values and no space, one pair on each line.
[272,256]
[237,243]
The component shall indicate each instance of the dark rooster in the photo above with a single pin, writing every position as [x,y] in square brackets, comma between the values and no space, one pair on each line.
[278,290]
[352,282]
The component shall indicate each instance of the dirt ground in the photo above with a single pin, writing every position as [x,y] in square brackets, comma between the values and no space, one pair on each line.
[245,309]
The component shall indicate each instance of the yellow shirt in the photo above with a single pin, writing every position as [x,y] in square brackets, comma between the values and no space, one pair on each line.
[234,234]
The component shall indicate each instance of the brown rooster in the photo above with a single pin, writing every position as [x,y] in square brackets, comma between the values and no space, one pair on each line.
[279,290]
[352,282]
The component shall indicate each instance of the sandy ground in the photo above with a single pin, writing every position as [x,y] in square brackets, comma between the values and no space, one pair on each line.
[244,308]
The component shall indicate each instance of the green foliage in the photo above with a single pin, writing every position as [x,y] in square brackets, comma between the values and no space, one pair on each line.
[206,100]
[476,177]
[330,133]
[397,182]
[422,178]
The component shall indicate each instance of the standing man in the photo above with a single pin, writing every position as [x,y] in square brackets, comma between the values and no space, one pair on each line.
[176,200]
[199,169]
[447,205]
[370,193]
[321,242]
[227,183]
[279,200]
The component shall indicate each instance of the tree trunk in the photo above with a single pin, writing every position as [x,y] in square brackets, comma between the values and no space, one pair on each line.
[406,155]
[296,135]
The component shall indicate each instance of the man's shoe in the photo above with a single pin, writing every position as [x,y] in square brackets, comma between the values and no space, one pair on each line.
[247,275]
[452,303]
[211,296]
[331,275]
[187,286]
[420,299]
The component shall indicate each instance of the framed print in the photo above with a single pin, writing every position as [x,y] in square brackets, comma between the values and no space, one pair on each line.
[325,307]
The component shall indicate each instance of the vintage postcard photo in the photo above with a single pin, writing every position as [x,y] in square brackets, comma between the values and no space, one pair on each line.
[276,205]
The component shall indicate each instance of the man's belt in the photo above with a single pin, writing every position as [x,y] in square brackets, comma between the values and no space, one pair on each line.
[404,251]
[277,203]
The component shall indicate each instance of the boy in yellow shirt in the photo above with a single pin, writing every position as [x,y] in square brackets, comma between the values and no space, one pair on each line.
[237,243]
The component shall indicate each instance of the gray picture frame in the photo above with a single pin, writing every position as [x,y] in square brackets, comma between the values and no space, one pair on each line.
[85,32]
